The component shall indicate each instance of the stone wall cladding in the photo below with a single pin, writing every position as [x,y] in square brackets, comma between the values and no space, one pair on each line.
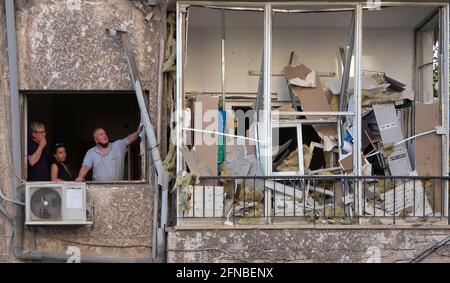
[300,245]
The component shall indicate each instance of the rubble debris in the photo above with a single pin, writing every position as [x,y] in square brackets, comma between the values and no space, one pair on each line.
[185,180]
[370,98]
[391,132]
[204,149]
[202,201]
[328,143]
[287,206]
[282,158]
[387,149]
[408,199]
[284,108]
[249,193]
[170,53]
[311,99]
[394,85]
[320,190]
[192,162]
[334,212]
[378,211]
[237,167]
[185,200]
[170,161]
[290,163]
[234,151]
[334,102]
[248,201]
[346,162]
[308,81]
[280,149]
[283,189]
[307,156]
[366,169]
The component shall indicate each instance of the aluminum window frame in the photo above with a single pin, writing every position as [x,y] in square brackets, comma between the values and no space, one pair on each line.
[267,8]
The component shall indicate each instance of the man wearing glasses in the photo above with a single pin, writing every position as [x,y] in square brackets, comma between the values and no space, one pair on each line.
[38,157]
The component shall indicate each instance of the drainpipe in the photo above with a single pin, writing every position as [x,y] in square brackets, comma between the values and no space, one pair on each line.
[15,151]
[15,118]
[163,175]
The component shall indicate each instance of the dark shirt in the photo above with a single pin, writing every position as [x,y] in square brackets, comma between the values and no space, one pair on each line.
[41,170]
[63,173]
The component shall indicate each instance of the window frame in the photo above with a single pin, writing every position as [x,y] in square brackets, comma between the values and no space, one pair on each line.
[267,8]
[144,163]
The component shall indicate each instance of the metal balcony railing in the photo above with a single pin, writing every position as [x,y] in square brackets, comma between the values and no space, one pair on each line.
[315,199]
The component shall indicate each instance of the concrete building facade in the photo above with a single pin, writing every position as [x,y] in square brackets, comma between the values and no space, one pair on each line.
[66,57]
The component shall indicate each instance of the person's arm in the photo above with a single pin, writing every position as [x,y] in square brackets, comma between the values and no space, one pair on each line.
[54,173]
[83,171]
[134,136]
[85,167]
[34,158]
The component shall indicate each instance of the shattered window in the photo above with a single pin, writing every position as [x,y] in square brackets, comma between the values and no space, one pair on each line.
[306,160]
[307,71]
[401,110]
[223,92]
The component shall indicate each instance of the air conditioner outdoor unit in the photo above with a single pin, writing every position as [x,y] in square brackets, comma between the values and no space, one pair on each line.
[55,203]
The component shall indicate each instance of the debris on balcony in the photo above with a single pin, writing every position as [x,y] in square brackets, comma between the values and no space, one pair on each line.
[311,98]
[327,148]
[203,201]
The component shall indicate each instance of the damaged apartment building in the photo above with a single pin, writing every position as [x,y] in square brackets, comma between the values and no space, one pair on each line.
[286,131]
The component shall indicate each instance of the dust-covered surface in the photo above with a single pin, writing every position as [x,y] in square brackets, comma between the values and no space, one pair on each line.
[300,245]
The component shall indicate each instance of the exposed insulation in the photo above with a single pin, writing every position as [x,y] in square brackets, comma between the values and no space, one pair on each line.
[387,149]
[285,108]
[334,103]
[334,212]
[291,162]
[329,158]
[170,162]
[185,180]
[370,98]
[251,194]
[169,63]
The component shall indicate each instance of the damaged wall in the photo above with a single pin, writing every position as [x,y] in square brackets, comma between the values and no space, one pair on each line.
[66,47]
[305,245]
[122,226]
[5,145]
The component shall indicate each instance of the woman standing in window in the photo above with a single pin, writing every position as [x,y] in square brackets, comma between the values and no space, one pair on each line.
[59,170]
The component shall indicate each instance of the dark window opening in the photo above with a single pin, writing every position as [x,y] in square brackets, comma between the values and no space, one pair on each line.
[71,118]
